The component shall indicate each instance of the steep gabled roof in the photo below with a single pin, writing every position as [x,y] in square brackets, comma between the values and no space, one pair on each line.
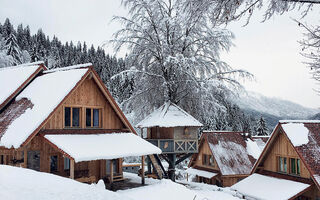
[304,137]
[169,115]
[14,79]
[231,152]
[36,103]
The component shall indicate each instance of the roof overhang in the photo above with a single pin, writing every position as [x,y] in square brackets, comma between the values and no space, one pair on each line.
[101,146]
[201,173]
[259,186]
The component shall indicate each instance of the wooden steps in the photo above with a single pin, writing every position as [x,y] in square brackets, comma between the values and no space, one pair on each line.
[156,166]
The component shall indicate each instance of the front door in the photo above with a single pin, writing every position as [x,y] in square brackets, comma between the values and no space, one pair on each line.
[33,160]
[115,166]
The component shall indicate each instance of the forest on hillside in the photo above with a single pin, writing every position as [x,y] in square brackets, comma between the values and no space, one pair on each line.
[18,45]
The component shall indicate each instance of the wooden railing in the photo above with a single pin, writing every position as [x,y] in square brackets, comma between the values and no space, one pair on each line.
[175,146]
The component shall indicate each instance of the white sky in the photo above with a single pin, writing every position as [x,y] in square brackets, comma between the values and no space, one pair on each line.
[268,50]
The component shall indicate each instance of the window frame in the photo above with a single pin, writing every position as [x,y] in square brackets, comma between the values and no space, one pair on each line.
[57,164]
[66,167]
[92,108]
[282,163]
[297,166]
[71,116]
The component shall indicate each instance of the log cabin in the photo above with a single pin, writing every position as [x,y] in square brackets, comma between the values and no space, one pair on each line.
[175,132]
[224,158]
[289,166]
[64,121]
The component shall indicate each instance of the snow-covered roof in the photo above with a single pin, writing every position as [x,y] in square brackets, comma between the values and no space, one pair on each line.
[13,78]
[232,152]
[102,146]
[297,133]
[201,173]
[258,187]
[169,115]
[68,68]
[43,95]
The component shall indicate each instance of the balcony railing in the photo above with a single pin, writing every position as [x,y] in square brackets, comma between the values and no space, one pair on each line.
[175,146]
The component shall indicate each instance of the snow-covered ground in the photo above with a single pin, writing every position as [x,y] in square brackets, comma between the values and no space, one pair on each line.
[19,183]
[182,190]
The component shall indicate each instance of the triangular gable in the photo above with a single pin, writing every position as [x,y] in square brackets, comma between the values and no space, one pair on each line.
[107,94]
[274,136]
[15,79]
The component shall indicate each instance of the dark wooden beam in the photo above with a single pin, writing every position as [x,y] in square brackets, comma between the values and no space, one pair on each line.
[183,158]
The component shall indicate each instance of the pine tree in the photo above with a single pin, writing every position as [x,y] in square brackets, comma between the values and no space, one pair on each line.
[13,49]
[261,128]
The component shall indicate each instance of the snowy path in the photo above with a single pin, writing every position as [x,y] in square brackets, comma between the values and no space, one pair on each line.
[166,189]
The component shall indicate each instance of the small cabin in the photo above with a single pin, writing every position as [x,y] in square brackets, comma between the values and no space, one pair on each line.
[64,121]
[289,166]
[171,129]
[224,158]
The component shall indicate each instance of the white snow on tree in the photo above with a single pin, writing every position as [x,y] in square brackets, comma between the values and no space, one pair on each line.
[13,49]
[174,56]
[261,128]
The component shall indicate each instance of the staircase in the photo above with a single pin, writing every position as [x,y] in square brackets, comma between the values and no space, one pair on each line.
[157,165]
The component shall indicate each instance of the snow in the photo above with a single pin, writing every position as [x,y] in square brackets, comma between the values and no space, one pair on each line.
[232,158]
[317,178]
[299,121]
[45,92]
[11,78]
[19,183]
[268,188]
[261,144]
[166,189]
[103,146]
[169,115]
[253,149]
[68,68]
[201,173]
[297,133]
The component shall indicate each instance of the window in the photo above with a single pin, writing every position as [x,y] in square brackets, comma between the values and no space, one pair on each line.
[53,163]
[211,161]
[72,117]
[66,164]
[207,160]
[282,164]
[186,131]
[204,159]
[295,166]
[1,159]
[93,116]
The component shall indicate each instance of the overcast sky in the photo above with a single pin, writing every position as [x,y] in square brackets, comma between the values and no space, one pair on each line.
[268,50]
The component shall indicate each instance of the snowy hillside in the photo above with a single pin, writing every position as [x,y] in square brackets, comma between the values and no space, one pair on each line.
[284,109]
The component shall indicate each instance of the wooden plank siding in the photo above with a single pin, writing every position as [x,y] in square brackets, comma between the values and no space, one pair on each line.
[282,147]
[205,150]
[87,95]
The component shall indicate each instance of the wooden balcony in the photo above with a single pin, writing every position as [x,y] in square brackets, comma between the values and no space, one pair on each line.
[175,146]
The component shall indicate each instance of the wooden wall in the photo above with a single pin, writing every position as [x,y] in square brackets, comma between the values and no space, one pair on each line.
[161,133]
[228,181]
[282,147]
[176,133]
[87,94]
[205,149]
[192,133]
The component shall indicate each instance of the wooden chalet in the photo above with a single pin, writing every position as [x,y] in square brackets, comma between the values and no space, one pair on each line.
[224,158]
[289,166]
[174,131]
[65,122]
